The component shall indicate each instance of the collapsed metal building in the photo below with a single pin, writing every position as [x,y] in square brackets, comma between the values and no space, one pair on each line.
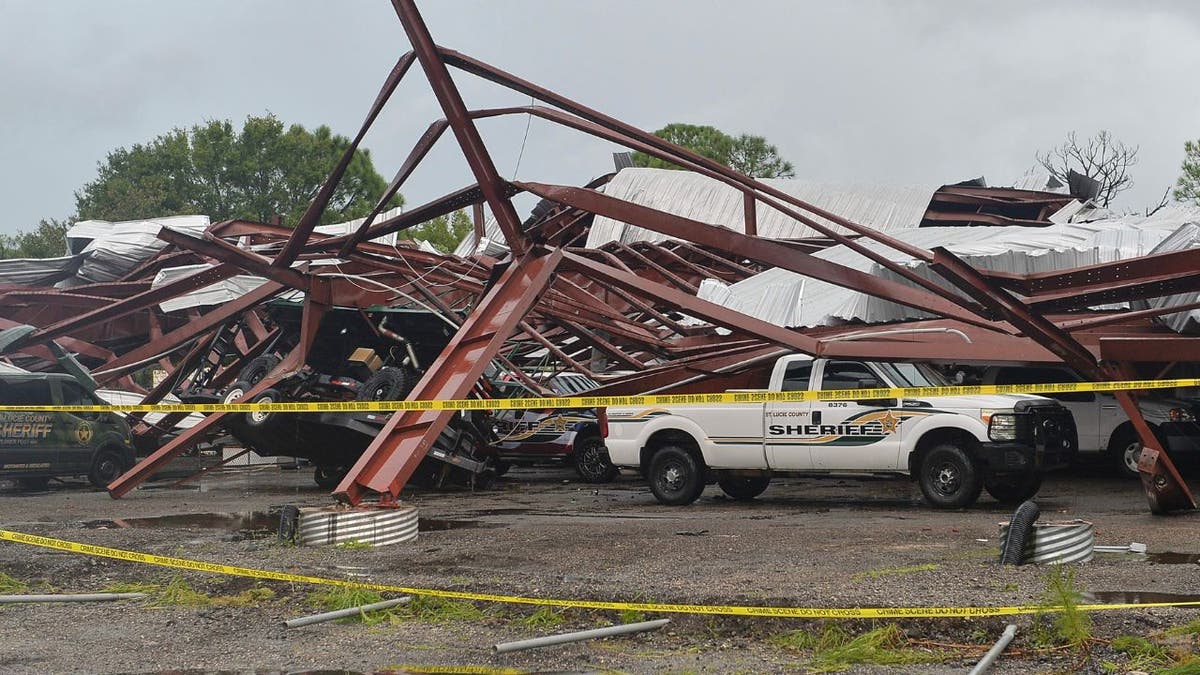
[601,279]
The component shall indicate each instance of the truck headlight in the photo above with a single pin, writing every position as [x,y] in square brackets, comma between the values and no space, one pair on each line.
[1002,424]
[1181,415]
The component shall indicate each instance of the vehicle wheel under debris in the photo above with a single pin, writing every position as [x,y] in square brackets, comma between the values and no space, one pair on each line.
[389,384]
[258,368]
[235,391]
[743,488]
[107,466]
[1124,451]
[1011,490]
[592,462]
[676,476]
[948,477]
[261,419]
[328,477]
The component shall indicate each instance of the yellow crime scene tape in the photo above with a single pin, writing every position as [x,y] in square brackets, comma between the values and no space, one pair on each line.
[726,610]
[647,400]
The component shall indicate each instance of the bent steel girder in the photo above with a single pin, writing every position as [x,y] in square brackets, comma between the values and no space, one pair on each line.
[1165,489]
[387,464]
[312,215]
[754,248]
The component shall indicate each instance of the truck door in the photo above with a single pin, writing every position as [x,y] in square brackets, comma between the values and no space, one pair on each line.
[76,430]
[854,435]
[27,441]
[784,423]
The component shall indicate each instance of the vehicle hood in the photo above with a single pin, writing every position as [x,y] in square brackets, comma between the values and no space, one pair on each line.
[994,401]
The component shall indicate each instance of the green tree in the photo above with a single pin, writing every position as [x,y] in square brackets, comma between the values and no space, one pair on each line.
[443,232]
[1187,188]
[214,169]
[749,154]
[48,240]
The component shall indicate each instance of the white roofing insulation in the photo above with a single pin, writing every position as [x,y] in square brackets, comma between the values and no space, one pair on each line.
[793,300]
[884,208]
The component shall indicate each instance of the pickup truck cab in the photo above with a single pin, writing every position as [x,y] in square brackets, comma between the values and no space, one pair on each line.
[1102,423]
[954,446]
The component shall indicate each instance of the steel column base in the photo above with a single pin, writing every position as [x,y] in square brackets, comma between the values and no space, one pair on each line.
[1165,489]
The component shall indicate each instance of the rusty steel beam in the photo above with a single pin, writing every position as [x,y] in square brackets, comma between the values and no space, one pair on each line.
[464,128]
[1101,275]
[754,248]
[394,454]
[316,208]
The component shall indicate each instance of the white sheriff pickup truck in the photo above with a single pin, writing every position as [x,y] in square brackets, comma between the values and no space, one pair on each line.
[954,446]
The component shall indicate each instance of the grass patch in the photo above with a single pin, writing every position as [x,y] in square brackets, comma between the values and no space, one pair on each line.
[353,545]
[896,571]
[545,617]
[433,609]
[1069,625]
[630,616]
[834,649]
[248,597]
[179,593]
[1190,628]
[10,585]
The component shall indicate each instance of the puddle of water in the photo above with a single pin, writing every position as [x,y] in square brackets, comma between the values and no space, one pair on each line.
[249,525]
[1170,558]
[1119,597]
[438,524]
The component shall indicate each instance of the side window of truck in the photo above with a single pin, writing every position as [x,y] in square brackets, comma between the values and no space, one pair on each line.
[847,375]
[73,394]
[28,392]
[797,376]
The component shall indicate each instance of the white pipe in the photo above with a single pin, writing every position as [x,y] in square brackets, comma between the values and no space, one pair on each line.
[1005,638]
[81,597]
[897,331]
[343,613]
[579,636]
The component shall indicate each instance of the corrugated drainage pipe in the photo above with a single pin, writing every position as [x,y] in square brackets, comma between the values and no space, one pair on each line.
[1018,532]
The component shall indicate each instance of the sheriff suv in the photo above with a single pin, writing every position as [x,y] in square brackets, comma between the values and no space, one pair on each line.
[40,445]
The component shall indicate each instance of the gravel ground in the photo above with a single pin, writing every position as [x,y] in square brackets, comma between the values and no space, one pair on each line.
[806,542]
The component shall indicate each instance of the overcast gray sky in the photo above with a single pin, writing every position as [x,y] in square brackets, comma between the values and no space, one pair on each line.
[903,92]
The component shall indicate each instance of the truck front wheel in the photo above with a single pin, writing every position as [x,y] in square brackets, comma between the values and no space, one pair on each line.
[1012,490]
[948,477]
[676,477]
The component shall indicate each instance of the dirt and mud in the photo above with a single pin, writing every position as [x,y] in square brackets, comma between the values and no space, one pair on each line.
[805,542]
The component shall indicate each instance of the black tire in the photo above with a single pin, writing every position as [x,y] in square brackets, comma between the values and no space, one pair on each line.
[676,476]
[743,488]
[1124,450]
[262,419]
[107,465]
[235,391]
[591,460]
[948,477]
[328,477]
[33,484]
[1011,490]
[389,384]
[258,368]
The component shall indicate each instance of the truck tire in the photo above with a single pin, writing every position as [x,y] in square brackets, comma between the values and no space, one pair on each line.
[389,384]
[1011,490]
[262,419]
[258,368]
[948,477]
[1124,451]
[743,488]
[235,391]
[676,476]
[107,465]
[591,460]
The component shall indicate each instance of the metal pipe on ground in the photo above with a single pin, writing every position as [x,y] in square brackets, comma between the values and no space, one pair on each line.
[580,636]
[65,597]
[992,654]
[344,613]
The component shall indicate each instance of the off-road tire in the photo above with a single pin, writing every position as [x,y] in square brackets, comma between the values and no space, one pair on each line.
[389,384]
[258,368]
[676,476]
[743,488]
[262,419]
[948,477]
[1012,490]
[107,465]
[591,460]
[235,391]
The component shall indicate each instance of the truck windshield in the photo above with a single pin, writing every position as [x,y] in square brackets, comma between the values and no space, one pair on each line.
[913,375]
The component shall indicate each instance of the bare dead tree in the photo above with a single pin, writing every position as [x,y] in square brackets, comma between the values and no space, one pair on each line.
[1161,203]
[1100,157]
